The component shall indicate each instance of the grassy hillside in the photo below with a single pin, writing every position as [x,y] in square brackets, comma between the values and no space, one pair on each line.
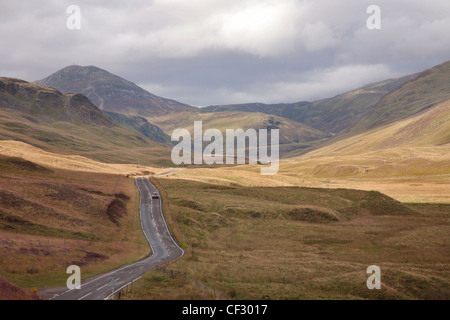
[42,103]
[329,115]
[427,89]
[414,147]
[140,125]
[428,129]
[10,291]
[70,124]
[340,112]
[408,160]
[52,218]
[30,153]
[292,133]
[110,92]
[301,243]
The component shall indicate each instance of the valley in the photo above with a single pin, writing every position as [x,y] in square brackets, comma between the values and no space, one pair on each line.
[364,178]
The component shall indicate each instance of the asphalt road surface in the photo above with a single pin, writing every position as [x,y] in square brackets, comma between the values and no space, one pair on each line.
[164,249]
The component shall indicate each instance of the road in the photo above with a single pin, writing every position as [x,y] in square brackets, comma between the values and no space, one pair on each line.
[164,249]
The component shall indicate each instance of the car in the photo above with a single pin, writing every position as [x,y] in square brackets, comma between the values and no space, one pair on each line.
[155,195]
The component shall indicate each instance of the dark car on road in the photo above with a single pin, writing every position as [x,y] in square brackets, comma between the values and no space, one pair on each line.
[155,195]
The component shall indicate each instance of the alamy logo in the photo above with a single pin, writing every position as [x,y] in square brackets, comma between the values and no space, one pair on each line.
[374,280]
[73,22]
[374,20]
[236,147]
[74,281]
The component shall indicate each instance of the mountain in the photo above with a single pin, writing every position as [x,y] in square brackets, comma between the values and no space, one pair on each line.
[110,92]
[338,113]
[406,135]
[49,104]
[428,129]
[427,89]
[70,124]
[293,135]
[416,149]
[330,115]
[142,126]
[401,143]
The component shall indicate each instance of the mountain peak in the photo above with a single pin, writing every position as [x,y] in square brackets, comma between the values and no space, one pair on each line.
[70,123]
[110,92]
[83,69]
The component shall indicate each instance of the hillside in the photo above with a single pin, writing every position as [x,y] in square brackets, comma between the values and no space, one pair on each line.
[132,106]
[110,92]
[292,133]
[329,115]
[17,149]
[52,218]
[140,125]
[9,291]
[408,160]
[300,243]
[70,124]
[414,148]
[428,129]
[47,104]
[427,89]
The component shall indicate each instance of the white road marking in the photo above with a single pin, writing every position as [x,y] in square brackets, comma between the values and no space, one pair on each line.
[102,287]
[85,296]
[144,184]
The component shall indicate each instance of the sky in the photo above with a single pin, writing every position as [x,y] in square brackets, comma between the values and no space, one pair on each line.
[211,52]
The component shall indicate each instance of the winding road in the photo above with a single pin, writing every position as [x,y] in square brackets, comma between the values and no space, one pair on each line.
[164,249]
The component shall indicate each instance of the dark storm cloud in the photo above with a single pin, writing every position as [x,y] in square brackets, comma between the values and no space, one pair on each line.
[206,52]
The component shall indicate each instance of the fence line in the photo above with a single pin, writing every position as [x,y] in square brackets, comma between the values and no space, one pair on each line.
[122,290]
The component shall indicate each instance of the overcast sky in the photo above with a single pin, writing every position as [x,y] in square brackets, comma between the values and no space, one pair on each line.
[207,52]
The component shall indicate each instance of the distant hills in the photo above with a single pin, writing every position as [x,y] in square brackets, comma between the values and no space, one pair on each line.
[110,92]
[293,135]
[424,91]
[70,124]
[145,113]
[372,106]
[406,134]
[121,100]
[133,119]
[413,149]
[428,129]
[330,115]
[140,125]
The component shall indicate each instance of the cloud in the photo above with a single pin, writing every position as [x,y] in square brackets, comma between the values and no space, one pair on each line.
[206,52]
[331,80]
[310,86]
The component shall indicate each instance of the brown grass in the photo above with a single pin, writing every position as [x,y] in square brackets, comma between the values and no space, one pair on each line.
[52,219]
[9,291]
[155,285]
[246,244]
[408,160]
[49,160]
